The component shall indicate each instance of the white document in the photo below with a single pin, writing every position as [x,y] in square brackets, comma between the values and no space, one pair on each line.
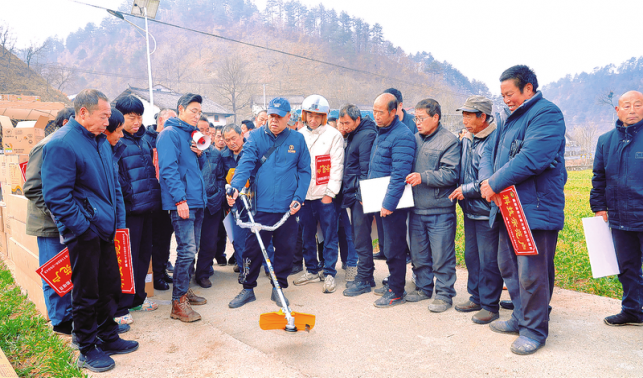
[600,246]
[374,191]
[228,222]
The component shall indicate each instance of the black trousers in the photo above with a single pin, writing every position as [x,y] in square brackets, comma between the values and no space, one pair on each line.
[140,233]
[298,256]
[208,245]
[394,240]
[161,239]
[222,236]
[361,227]
[97,286]
[284,240]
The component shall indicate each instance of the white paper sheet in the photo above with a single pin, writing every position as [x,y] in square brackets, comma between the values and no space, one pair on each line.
[374,191]
[228,222]
[600,247]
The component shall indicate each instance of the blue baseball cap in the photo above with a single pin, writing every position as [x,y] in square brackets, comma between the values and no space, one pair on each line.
[279,106]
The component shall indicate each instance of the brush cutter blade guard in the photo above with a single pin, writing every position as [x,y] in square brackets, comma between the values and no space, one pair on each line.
[278,320]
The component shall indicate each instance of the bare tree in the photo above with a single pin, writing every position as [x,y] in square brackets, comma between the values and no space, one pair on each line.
[232,82]
[7,41]
[586,136]
[606,98]
[33,52]
[58,76]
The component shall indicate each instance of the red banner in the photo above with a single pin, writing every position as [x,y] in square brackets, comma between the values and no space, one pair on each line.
[155,161]
[124,256]
[516,222]
[322,167]
[57,271]
[23,170]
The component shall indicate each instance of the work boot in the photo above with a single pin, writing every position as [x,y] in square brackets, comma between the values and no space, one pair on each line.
[381,291]
[622,319]
[307,278]
[389,299]
[119,346]
[524,345]
[351,273]
[275,298]
[507,305]
[439,305]
[416,296]
[503,326]
[182,310]
[204,282]
[484,316]
[194,299]
[245,296]
[329,284]
[358,288]
[95,360]
[468,306]
[160,284]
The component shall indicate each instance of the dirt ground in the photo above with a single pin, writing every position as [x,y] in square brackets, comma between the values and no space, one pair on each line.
[354,338]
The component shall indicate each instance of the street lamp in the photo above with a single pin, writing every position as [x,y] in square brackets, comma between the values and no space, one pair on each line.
[146,9]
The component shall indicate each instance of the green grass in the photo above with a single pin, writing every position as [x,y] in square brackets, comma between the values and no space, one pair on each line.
[573,270]
[30,345]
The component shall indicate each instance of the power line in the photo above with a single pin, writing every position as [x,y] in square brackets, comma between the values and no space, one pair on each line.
[269,49]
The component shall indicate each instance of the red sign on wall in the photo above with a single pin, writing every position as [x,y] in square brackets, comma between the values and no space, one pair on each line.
[322,168]
[516,222]
[57,271]
[23,170]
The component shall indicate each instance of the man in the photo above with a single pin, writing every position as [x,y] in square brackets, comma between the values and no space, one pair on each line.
[326,147]
[246,127]
[183,193]
[528,152]
[161,222]
[217,138]
[432,222]
[82,192]
[234,139]
[214,179]
[332,121]
[282,179]
[392,155]
[480,239]
[260,119]
[404,117]
[40,224]
[361,133]
[142,197]
[617,196]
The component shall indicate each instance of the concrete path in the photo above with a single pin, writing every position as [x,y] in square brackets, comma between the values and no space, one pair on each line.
[354,338]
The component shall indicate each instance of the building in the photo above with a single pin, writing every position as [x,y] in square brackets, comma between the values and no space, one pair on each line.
[164,97]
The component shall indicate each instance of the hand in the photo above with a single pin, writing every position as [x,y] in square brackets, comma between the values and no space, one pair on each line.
[232,199]
[384,212]
[601,214]
[327,200]
[486,191]
[414,179]
[195,150]
[183,210]
[457,194]
[294,207]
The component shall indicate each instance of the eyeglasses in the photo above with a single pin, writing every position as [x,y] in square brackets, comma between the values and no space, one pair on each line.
[195,111]
[420,120]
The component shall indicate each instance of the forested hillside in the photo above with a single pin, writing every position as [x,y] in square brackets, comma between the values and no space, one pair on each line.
[111,55]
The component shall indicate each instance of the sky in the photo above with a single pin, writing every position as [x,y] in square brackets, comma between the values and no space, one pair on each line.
[479,38]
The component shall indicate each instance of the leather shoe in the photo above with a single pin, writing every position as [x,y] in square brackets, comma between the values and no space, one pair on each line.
[204,282]
[507,305]
[221,261]
[525,345]
[503,326]
[194,299]
[160,284]
[245,296]
[182,310]
[484,317]
[166,277]
[468,306]
[379,256]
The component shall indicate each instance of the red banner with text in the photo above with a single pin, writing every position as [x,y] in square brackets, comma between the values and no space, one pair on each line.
[124,257]
[322,167]
[516,222]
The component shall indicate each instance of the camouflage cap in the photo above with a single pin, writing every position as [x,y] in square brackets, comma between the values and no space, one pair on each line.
[477,103]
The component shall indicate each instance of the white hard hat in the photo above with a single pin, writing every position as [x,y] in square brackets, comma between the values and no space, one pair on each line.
[315,104]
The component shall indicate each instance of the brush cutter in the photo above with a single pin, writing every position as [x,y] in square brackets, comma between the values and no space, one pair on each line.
[284,318]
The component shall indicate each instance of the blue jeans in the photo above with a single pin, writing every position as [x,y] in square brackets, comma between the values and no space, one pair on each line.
[433,253]
[188,238]
[311,213]
[481,256]
[58,308]
[345,238]
[530,282]
[628,245]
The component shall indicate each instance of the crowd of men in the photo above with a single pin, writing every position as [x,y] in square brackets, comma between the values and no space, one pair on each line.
[102,170]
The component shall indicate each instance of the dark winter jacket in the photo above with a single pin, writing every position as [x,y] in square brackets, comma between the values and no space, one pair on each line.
[80,184]
[179,167]
[437,160]
[39,220]
[151,135]
[283,178]
[214,178]
[392,155]
[409,122]
[357,157]
[474,206]
[141,189]
[617,185]
[528,151]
